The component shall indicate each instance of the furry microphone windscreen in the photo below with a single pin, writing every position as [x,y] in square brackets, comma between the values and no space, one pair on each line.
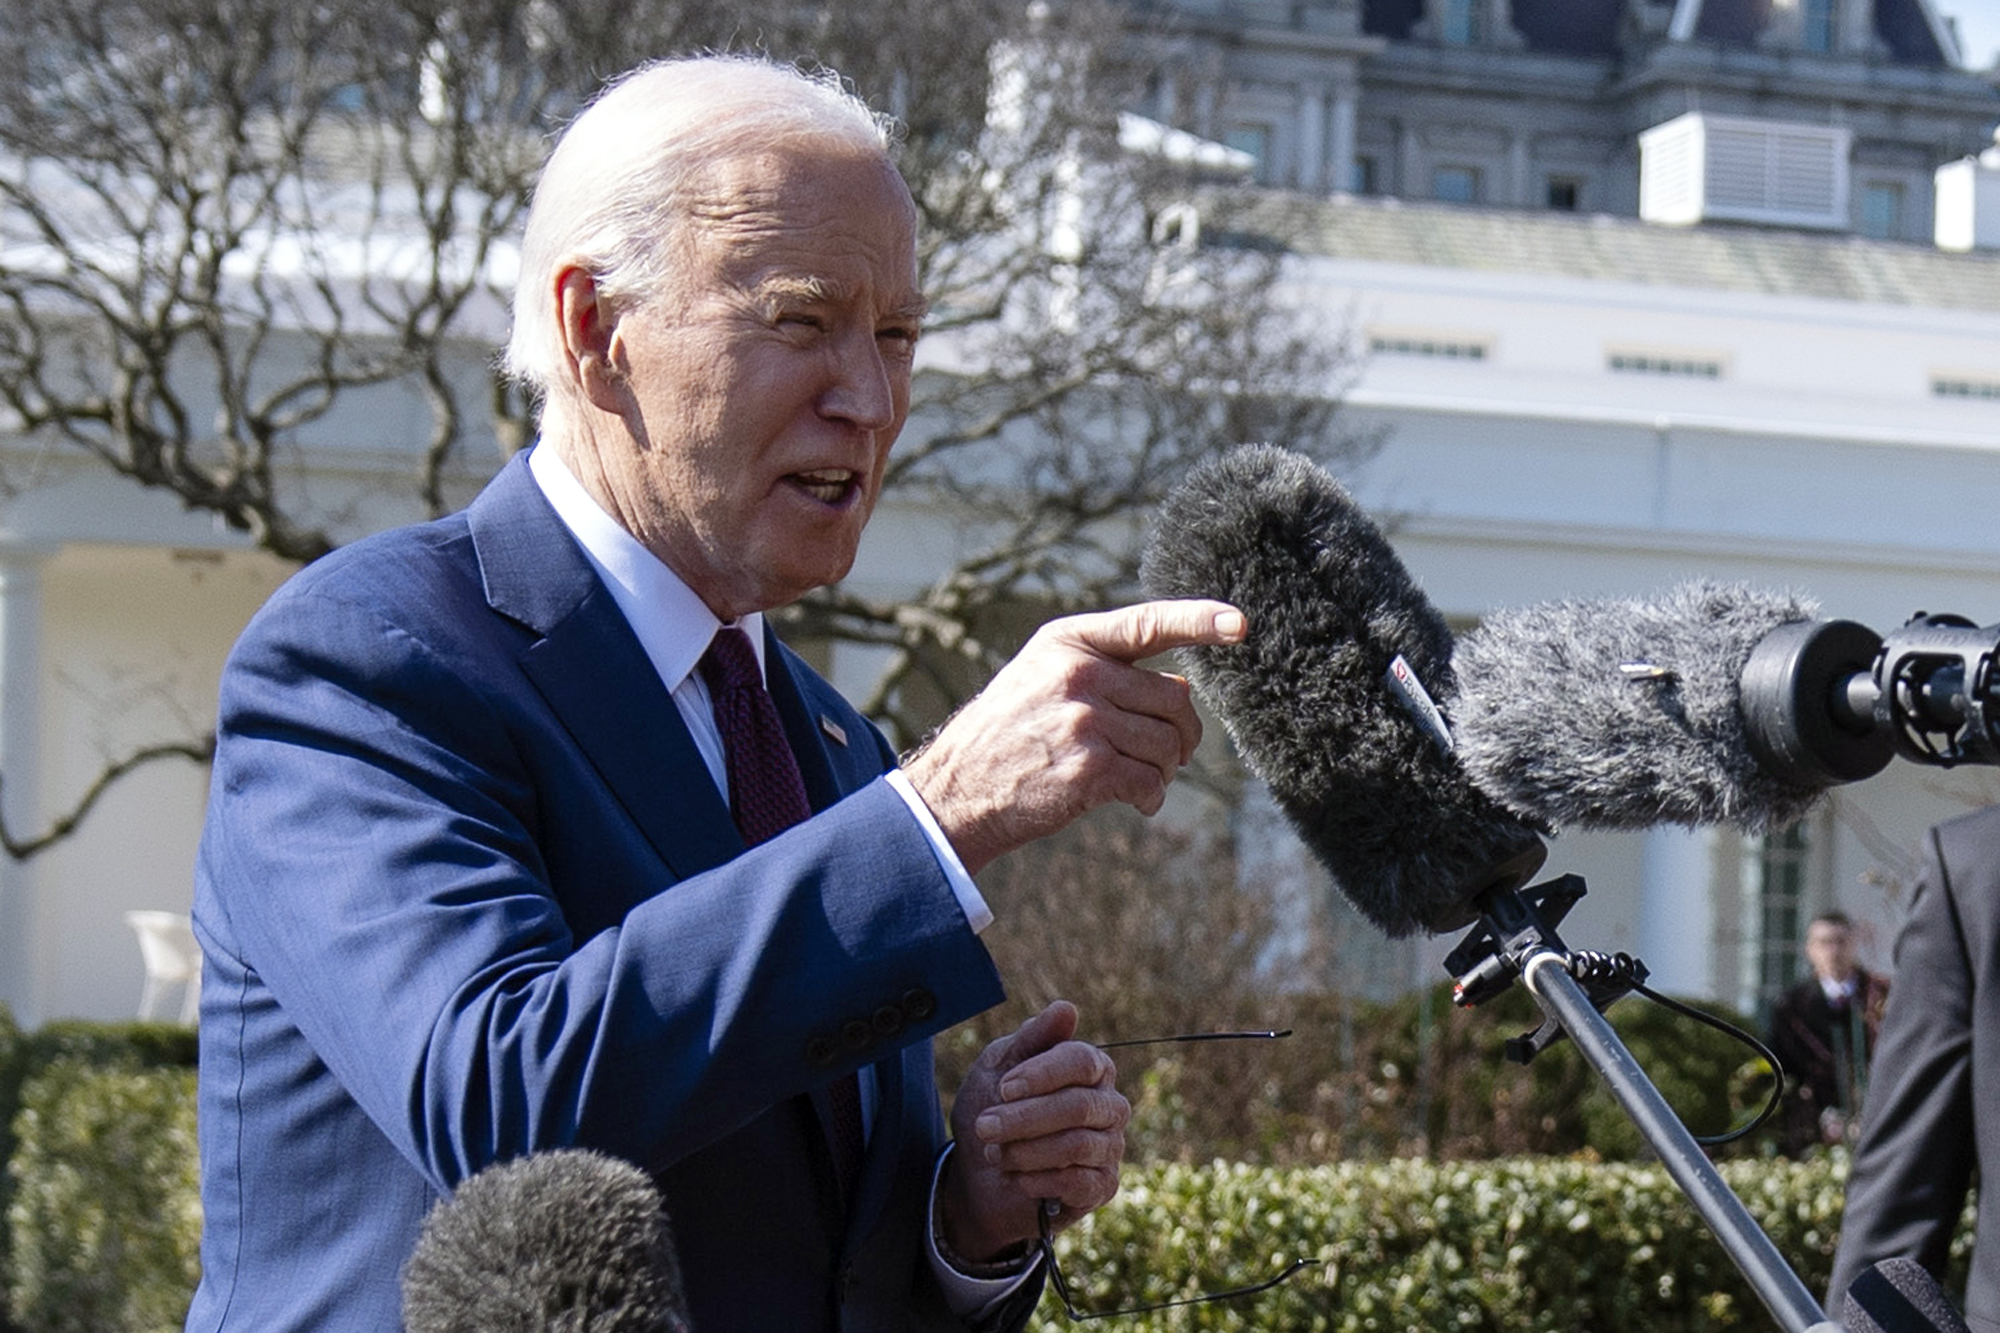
[1378,801]
[1898,1296]
[570,1239]
[1624,714]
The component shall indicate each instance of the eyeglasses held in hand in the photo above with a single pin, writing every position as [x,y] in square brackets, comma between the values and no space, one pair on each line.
[1051,1207]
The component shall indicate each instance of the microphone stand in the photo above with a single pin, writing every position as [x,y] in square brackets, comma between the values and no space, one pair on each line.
[1516,937]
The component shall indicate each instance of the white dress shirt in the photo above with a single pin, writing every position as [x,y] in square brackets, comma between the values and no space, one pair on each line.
[674,627]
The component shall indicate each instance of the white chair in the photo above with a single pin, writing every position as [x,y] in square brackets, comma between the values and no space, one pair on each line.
[167,946]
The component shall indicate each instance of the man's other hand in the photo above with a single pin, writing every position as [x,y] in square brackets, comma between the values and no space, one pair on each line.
[1039,1116]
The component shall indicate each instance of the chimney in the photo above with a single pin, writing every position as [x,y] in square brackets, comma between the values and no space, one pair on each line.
[1968,202]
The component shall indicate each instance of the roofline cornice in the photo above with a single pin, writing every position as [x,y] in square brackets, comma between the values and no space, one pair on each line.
[1838,80]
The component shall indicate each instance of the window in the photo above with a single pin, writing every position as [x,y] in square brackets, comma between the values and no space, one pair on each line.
[1818,32]
[1446,347]
[1256,141]
[1459,22]
[1882,210]
[1363,179]
[1775,867]
[1176,234]
[1965,386]
[1563,193]
[1455,185]
[1657,363]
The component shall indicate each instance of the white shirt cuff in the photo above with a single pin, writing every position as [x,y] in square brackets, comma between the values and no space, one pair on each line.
[977,914]
[970,1298]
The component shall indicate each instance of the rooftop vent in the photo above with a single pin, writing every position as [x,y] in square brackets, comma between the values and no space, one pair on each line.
[1968,202]
[1702,168]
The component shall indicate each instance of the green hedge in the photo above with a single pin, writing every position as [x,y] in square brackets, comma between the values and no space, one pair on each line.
[103,1221]
[99,1194]
[1411,1246]
[106,1215]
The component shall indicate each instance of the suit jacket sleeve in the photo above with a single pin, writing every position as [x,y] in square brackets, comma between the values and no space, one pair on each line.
[431,877]
[1914,1162]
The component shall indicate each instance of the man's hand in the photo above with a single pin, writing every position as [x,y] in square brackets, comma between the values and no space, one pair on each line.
[1070,724]
[1038,1117]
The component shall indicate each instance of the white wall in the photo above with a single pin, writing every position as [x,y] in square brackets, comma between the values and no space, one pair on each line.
[1819,462]
[133,644]
[119,610]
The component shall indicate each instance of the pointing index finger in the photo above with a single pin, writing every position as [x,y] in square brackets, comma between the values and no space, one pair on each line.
[1132,633]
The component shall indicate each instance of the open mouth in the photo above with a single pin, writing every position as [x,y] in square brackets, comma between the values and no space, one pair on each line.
[828,485]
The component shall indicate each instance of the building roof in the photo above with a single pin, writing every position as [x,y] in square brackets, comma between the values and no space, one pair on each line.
[1909,31]
[1770,260]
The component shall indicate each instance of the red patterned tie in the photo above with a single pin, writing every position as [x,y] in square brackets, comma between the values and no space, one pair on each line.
[766,797]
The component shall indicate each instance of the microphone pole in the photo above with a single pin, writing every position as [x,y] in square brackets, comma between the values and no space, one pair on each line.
[1516,937]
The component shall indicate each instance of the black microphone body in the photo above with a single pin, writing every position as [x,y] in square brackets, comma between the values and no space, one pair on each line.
[1307,697]
[569,1239]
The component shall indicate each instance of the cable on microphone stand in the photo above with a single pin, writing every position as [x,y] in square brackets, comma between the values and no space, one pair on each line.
[1516,938]
[1608,977]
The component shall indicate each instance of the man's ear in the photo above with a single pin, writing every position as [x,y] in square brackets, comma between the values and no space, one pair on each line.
[591,345]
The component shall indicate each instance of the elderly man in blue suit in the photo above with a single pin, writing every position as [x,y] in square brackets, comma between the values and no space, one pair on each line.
[470,885]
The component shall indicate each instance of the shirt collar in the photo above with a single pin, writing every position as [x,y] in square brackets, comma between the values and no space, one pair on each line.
[673,625]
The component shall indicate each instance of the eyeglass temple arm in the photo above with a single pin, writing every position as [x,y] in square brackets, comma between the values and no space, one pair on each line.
[1194,1036]
[1051,1207]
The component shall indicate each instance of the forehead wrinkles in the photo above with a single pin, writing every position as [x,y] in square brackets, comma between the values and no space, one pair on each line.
[783,216]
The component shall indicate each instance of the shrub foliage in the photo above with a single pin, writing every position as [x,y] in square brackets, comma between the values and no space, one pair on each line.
[106,1217]
[1512,1245]
[101,1199]
[1411,1225]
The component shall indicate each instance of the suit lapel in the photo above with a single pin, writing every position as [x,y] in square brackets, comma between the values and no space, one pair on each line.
[878,1168]
[885,1138]
[823,763]
[589,667]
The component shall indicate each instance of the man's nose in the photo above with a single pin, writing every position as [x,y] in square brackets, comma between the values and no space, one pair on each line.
[863,390]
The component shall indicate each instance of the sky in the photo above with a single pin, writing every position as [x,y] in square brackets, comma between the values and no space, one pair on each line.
[1978,29]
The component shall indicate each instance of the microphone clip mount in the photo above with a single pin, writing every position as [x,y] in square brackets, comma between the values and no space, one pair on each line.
[1517,925]
[1516,938]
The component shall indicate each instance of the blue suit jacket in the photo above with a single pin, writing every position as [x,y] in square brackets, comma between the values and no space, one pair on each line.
[466,892]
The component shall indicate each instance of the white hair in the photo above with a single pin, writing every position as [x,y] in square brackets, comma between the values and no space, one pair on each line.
[616,188]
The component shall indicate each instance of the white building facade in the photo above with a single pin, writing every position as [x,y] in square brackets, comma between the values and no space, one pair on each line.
[1777,377]
[1573,402]
[1605,408]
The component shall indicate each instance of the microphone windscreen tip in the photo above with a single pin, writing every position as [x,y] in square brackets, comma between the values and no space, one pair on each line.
[1898,1296]
[1308,699]
[571,1239]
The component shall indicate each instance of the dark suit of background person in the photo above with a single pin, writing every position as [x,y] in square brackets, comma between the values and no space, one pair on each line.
[1823,1032]
[1931,1121]
[468,890]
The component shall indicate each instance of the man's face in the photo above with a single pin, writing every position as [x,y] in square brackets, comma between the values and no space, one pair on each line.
[768,384]
[1830,950]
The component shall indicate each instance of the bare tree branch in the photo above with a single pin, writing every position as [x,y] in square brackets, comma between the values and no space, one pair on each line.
[21,849]
[227,228]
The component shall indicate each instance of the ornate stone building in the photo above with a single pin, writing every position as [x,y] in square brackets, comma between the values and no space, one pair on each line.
[1648,290]
[1541,104]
